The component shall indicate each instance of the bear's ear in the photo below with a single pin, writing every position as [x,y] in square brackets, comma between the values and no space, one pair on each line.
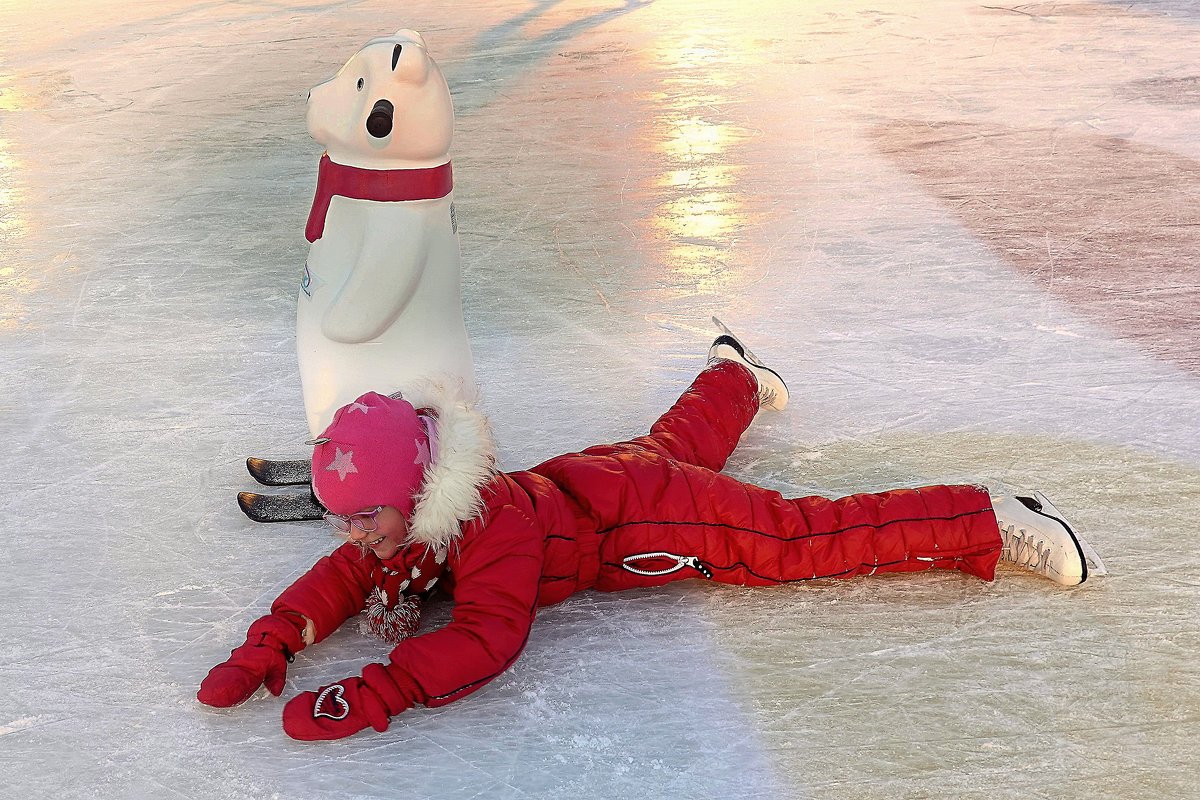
[410,35]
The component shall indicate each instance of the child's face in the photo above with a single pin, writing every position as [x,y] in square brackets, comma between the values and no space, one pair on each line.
[388,537]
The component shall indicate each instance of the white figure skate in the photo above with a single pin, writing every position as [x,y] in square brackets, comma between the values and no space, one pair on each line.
[1037,537]
[772,391]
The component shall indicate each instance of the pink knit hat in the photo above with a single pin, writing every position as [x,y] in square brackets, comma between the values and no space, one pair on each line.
[374,453]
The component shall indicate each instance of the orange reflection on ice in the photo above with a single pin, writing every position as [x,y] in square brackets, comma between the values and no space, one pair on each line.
[11,197]
[709,176]
[707,215]
[10,99]
[696,138]
[700,210]
[13,224]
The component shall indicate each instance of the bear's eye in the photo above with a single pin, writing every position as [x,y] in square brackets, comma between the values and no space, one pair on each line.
[360,84]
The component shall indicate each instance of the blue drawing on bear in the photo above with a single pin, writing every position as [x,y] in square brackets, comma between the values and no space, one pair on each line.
[306,282]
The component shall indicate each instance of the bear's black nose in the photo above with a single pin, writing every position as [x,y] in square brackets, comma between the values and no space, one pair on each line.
[379,123]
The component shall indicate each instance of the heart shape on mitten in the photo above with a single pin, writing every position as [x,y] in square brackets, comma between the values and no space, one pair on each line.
[334,694]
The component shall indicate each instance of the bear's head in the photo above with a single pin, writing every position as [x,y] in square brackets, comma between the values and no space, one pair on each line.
[388,108]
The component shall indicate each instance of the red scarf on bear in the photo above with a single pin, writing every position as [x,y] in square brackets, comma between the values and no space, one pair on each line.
[386,185]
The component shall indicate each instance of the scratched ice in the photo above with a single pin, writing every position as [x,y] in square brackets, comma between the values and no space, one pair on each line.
[965,233]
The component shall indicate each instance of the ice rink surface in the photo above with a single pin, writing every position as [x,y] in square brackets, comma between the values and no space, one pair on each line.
[966,233]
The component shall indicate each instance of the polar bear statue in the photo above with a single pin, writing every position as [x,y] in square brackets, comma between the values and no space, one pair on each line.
[380,301]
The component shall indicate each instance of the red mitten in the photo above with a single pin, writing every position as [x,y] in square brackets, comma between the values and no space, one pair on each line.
[270,645]
[347,707]
[334,712]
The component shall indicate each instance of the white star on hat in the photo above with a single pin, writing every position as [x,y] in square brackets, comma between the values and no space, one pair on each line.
[422,452]
[357,406]
[342,464]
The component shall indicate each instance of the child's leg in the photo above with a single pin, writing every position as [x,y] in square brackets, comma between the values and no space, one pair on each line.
[710,525]
[705,423]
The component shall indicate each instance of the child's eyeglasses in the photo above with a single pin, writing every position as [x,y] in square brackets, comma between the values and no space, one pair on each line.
[365,521]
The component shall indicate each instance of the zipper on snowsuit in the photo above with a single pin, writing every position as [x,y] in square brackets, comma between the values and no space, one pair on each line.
[681,562]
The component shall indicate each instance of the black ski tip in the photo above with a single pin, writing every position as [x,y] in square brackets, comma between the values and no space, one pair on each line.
[280,507]
[246,503]
[270,472]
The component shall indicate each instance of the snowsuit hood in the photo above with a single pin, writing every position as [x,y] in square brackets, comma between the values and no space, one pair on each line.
[464,461]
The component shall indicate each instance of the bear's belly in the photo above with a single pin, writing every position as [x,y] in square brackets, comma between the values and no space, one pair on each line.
[413,299]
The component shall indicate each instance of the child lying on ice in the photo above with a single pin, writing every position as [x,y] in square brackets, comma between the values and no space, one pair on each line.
[411,483]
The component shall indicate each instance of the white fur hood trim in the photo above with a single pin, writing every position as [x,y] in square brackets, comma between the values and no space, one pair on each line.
[465,462]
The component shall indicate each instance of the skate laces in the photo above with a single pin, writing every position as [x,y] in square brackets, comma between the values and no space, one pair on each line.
[766,395]
[1024,549]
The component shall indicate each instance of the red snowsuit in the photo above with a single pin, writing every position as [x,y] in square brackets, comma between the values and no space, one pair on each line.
[639,513]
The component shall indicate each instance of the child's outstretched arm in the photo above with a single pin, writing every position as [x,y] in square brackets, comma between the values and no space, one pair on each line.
[307,611]
[497,569]
[333,591]
[270,644]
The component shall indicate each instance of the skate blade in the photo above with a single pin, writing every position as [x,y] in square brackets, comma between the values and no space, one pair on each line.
[748,353]
[1095,567]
